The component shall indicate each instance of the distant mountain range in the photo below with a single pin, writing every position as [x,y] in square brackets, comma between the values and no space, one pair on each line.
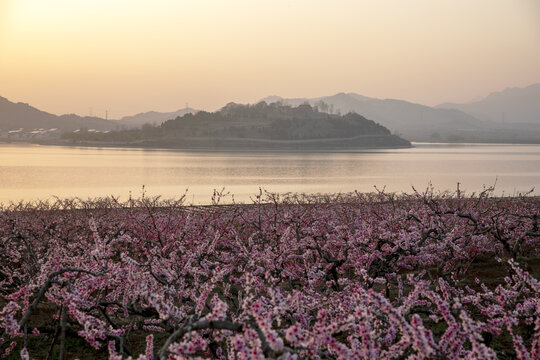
[14,116]
[153,117]
[413,121]
[512,105]
[511,115]
[19,115]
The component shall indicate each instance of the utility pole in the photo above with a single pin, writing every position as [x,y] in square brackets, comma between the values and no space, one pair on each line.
[106,114]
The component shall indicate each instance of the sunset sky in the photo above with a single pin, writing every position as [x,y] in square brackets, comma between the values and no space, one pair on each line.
[67,56]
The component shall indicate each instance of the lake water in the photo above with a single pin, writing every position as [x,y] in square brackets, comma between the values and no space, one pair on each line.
[29,172]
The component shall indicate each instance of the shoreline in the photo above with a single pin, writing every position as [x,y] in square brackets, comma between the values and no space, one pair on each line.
[292,199]
[306,146]
[231,149]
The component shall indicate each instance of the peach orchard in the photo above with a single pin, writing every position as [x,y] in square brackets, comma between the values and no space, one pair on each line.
[356,276]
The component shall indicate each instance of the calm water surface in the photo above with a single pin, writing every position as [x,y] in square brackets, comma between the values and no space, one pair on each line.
[29,172]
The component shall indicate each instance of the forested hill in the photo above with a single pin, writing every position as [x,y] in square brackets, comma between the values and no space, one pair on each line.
[267,125]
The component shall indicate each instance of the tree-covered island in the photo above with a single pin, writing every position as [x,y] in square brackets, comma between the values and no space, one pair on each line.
[260,126]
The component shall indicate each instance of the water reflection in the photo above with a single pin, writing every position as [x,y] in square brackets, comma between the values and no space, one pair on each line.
[29,171]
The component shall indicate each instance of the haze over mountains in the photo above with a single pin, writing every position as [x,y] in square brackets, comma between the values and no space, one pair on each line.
[413,121]
[153,117]
[512,105]
[511,115]
[477,121]
[20,115]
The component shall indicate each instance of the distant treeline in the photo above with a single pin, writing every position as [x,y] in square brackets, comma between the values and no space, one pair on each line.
[259,121]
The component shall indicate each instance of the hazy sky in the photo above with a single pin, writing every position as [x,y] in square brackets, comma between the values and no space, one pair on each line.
[129,56]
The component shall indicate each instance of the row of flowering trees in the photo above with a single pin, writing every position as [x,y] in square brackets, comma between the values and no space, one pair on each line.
[357,276]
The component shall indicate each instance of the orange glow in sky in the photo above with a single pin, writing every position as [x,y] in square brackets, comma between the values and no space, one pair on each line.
[66,56]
